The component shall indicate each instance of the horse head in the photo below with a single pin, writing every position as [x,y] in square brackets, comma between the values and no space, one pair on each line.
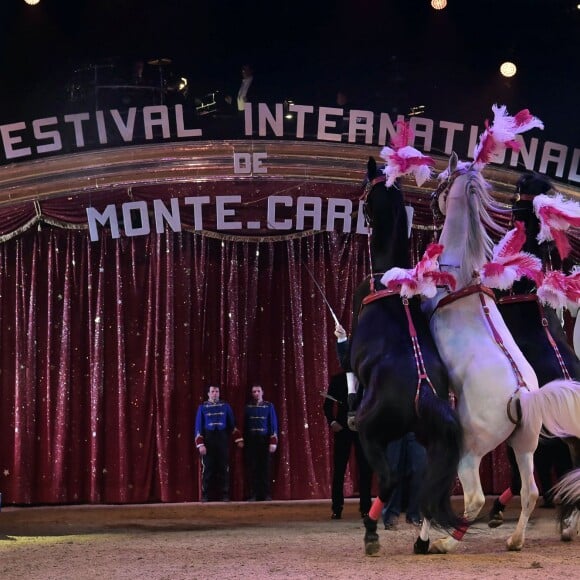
[529,186]
[464,199]
[384,210]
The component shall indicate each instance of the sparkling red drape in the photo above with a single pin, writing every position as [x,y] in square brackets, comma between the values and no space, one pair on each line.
[107,347]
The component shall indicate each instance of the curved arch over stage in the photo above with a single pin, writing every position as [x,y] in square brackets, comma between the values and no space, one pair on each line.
[106,345]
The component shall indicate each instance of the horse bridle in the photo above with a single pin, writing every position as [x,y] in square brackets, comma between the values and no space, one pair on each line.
[364,197]
[443,190]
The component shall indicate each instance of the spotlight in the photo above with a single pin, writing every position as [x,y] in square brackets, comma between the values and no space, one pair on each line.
[508,69]
[32,2]
[438,4]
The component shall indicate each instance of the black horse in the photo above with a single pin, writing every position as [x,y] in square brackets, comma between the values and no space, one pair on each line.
[536,329]
[406,384]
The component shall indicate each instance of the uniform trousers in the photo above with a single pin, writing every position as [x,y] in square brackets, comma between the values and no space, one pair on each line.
[216,463]
[257,449]
[343,443]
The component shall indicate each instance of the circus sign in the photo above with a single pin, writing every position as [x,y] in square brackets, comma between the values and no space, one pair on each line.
[88,130]
[244,208]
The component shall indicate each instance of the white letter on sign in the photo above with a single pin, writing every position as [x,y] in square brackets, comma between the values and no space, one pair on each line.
[249,163]
[242,163]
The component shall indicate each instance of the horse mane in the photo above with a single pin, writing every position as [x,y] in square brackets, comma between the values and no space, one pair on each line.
[478,248]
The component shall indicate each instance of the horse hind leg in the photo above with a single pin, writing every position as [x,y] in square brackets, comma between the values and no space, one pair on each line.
[371,539]
[567,497]
[421,545]
[570,526]
[529,496]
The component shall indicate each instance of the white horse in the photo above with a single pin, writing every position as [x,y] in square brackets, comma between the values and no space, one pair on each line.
[497,391]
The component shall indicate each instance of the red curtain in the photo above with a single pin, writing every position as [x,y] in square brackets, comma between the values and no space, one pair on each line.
[107,347]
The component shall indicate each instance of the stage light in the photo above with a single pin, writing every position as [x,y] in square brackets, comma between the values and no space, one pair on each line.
[438,4]
[508,69]
[32,2]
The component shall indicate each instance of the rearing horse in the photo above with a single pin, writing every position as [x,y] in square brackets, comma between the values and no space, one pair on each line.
[395,358]
[496,388]
[536,328]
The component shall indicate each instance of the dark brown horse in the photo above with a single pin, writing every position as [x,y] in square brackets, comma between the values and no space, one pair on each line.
[536,328]
[406,384]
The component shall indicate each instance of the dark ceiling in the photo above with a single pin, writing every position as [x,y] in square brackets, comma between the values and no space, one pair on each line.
[390,55]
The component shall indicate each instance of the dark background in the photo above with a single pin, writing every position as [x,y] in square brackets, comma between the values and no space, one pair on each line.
[389,55]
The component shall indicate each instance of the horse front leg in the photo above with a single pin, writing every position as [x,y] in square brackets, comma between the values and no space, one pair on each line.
[473,499]
[376,457]
[529,496]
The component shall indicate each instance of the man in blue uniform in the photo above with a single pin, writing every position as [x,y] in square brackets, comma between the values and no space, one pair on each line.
[260,441]
[214,423]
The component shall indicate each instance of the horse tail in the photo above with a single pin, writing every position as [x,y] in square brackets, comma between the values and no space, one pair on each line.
[441,424]
[567,496]
[556,405]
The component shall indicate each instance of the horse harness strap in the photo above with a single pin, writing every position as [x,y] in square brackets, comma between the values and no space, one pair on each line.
[419,361]
[417,353]
[467,291]
[377,294]
[519,377]
[544,321]
[483,291]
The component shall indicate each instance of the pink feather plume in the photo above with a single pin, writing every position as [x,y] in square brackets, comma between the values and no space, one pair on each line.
[512,242]
[509,264]
[403,135]
[423,279]
[501,134]
[560,291]
[556,216]
[402,159]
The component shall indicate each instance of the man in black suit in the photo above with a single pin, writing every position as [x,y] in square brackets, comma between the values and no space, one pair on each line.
[335,412]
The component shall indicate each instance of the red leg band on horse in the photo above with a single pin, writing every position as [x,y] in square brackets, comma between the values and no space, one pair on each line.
[506,496]
[460,531]
[376,509]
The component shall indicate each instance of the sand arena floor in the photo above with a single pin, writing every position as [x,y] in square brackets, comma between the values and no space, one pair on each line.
[271,540]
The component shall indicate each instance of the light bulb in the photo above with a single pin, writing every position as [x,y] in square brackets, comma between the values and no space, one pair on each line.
[508,69]
[438,4]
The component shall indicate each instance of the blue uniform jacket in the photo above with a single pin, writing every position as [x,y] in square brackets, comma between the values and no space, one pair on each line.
[260,419]
[215,417]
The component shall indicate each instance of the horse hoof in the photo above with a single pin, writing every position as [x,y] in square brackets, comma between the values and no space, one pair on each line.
[443,546]
[372,548]
[566,535]
[421,546]
[495,520]
[496,514]
[513,547]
